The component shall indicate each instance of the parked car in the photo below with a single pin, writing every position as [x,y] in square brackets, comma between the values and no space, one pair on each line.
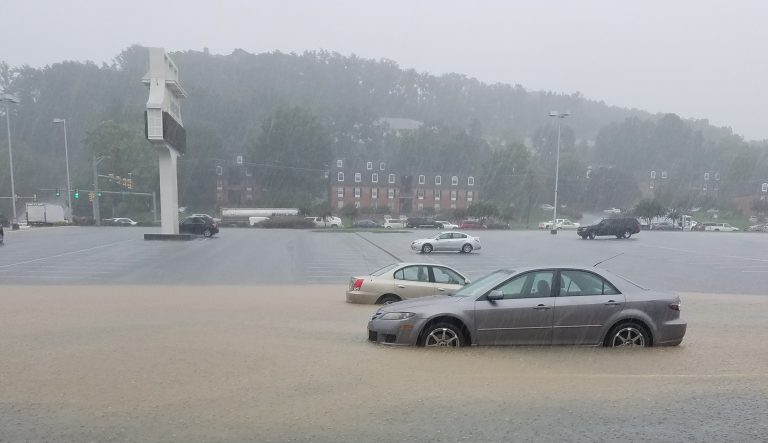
[594,308]
[421,222]
[719,227]
[367,224]
[560,223]
[452,241]
[663,226]
[402,281]
[326,222]
[758,228]
[471,224]
[120,221]
[498,226]
[215,220]
[622,227]
[446,224]
[394,223]
[198,226]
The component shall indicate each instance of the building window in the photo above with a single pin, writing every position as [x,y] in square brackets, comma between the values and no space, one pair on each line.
[706,176]
[438,180]
[422,179]
[248,172]
[765,187]
[249,188]
[339,163]
[381,166]
[358,177]
[453,205]
[420,194]
[248,196]
[374,193]
[391,193]
[453,196]
[374,178]
[420,206]
[357,192]
[436,194]
[340,204]
[357,205]
[437,207]
[219,170]
[717,176]
[340,192]
[455,181]
[653,174]
[705,187]
[340,176]
[663,175]
[392,178]
[651,185]
[239,159]
[369,166]
[470,196]
[470,181]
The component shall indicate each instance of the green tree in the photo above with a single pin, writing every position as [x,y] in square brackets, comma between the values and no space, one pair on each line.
[649,209]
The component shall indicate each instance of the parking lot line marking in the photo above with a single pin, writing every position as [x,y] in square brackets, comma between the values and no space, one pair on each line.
[687,251]
[65,254]
[379,247]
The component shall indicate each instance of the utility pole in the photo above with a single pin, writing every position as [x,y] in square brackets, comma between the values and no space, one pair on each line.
[96,211]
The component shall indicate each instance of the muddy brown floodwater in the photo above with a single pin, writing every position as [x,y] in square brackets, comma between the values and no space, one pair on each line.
[291,363]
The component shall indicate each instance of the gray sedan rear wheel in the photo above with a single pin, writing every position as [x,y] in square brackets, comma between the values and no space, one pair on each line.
[628,335]
[466,248]
[426,248]
[442,335]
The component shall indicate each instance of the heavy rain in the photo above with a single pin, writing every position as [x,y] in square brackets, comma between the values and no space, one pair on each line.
[416,221]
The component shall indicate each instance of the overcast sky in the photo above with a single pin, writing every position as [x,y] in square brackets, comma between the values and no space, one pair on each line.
[699,59]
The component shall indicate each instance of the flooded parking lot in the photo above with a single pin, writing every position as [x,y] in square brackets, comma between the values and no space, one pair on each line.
[291,363]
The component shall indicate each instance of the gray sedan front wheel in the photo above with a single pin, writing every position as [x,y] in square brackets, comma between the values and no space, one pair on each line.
[628,335]
[442,335]
[426,248]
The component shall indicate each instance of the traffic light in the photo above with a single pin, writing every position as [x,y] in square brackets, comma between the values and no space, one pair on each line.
[91,196]
[77,194]
[58,192]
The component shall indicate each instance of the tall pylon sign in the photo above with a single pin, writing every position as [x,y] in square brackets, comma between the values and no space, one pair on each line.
[164,128]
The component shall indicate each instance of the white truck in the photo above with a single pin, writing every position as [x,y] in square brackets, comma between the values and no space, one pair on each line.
[326,222]
[241,216]
[44,214]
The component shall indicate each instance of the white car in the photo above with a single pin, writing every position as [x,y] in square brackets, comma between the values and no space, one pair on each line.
[446,225]
[453,241]
[719,227]
[394,223]
[326,222]
[562,223]
[123,221]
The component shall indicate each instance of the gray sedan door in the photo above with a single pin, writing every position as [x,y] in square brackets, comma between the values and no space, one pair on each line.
[523,317]
[584,305]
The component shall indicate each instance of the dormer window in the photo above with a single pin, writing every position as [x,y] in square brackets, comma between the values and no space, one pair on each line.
[438,180]
[470,181]
[454,180]
[369,166]
[391,178]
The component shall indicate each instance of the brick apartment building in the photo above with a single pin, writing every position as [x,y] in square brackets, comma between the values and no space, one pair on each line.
[373,185]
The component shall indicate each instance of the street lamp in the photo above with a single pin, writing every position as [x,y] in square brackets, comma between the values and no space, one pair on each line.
[66,157]
[560,116]
[7,98]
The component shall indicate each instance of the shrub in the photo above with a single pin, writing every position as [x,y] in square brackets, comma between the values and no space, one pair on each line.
[287,222]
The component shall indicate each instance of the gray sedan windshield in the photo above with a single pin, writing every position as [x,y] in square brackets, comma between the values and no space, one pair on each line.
[483,285]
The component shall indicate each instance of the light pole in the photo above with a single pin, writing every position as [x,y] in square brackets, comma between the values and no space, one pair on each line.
[560,116]
[7,98]
[66,157]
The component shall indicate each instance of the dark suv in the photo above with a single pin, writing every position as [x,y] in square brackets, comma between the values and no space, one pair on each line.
[203,225]
[420,222]
[622,227]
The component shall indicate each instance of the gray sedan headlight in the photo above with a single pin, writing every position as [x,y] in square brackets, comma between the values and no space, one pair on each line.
[397,315]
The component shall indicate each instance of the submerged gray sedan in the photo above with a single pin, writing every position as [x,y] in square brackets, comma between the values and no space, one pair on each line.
[536,306]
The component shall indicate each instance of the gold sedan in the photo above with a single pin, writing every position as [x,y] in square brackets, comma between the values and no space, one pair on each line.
[402,281]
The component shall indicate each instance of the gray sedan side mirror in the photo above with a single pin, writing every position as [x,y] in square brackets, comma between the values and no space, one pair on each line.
[496,294]
[466,281]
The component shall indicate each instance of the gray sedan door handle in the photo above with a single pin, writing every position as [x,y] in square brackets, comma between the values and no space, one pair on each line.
[401,286]
[441,289]
[541,307]
[611,303]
